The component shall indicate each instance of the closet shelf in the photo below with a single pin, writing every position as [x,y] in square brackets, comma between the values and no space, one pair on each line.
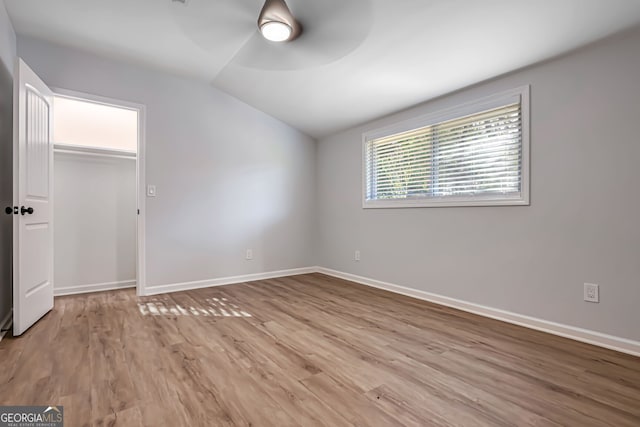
[94,151]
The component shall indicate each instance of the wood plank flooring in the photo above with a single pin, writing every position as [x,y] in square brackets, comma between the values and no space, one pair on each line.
[308,350]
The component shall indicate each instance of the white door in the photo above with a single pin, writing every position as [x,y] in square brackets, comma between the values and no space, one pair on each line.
[32,190]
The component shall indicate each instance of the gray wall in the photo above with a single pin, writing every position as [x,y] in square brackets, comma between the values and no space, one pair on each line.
[228,176]
[582,225]
[95,222]
[7,59]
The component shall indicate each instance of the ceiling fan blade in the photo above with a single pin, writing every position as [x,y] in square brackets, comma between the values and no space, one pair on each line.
[331,29]
[213,24]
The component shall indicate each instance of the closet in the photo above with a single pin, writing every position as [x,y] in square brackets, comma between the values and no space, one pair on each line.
[95,196]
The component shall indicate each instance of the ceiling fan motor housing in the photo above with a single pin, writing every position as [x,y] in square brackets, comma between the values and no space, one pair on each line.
[278,11]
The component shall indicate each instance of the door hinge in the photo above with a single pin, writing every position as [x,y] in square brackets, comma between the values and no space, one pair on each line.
[138,211]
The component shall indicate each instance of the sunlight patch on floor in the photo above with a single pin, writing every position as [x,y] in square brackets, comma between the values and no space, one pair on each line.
[210,307]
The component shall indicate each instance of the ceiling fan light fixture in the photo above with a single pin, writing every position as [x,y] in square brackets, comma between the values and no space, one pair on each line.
[276,31]
[277,23]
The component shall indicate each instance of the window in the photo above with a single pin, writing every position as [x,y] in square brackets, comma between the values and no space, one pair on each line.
[473,155]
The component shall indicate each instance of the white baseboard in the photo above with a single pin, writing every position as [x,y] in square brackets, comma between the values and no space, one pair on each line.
[6,323]
[94,287]
[584,335]
[199,284]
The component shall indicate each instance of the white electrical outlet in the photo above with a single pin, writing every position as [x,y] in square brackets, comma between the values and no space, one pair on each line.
[591,292]
[356,256]
[249,255]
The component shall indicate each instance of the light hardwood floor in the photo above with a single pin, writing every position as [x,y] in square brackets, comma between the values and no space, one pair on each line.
[304,351]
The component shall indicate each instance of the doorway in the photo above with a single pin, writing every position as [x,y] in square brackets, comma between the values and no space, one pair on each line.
[98,189]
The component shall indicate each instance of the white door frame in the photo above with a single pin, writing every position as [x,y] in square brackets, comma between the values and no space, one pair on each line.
[140,172]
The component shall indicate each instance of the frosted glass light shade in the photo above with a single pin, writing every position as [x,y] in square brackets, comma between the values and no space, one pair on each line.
[276,31]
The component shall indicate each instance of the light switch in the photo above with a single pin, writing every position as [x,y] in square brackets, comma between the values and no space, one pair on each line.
[151,191]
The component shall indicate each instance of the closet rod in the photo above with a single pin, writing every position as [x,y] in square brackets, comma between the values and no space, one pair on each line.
[86,153]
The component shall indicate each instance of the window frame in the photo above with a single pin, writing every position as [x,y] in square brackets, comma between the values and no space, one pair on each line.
[486,103]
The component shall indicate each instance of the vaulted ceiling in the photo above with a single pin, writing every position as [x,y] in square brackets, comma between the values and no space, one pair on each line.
[356,59]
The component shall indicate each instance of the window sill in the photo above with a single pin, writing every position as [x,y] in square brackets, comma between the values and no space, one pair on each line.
[446,202]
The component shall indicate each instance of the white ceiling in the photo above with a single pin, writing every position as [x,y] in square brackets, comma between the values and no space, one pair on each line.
[395,53]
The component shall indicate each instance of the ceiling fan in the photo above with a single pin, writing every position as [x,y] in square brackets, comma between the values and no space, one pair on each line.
[276,23]
[275,35]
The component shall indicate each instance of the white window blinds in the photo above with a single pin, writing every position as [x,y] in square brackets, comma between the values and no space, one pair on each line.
[475,157]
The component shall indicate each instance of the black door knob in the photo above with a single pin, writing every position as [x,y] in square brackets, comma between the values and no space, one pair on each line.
[24,210]
[8,210]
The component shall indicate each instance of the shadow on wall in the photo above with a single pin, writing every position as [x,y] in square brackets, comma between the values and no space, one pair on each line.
[6,189]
